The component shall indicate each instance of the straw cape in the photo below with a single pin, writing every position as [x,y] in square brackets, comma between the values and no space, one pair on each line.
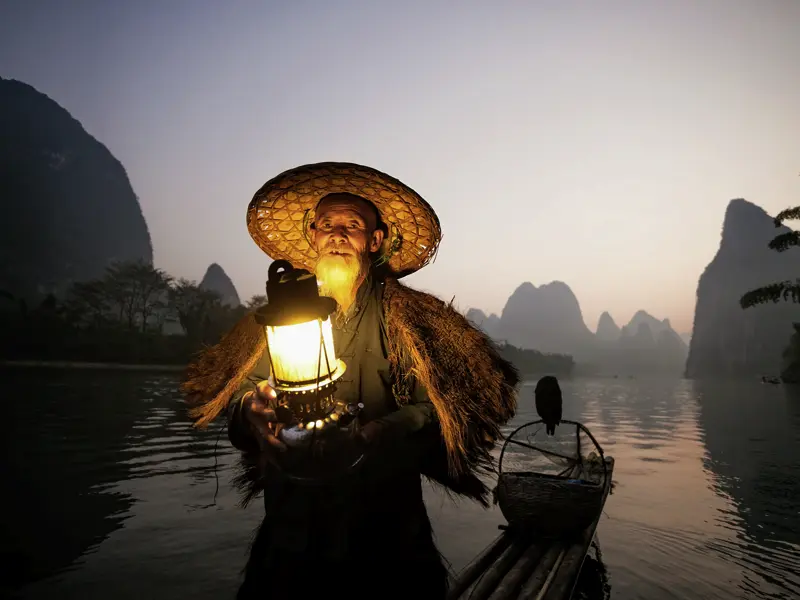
[280,213]
[472,388]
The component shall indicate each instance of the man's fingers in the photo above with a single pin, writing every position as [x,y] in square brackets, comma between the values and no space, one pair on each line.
[269,435]
[261,410]
[265,391]
[275,442]
[266,422]
[265,413]
[255,401]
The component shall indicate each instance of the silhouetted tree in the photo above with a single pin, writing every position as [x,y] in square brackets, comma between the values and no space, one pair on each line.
[786,291]
[195,308]
[88,305]
[782,291]
[139,291]
[117,318]
[131,295]
[532,361]
[256,301]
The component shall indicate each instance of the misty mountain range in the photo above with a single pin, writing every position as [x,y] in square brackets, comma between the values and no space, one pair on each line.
[70,210]
[549,319]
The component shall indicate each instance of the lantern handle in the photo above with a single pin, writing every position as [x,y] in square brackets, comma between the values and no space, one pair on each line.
[277,266]
[277,270]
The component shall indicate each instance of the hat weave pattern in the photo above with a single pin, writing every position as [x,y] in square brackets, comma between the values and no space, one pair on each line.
[281,212]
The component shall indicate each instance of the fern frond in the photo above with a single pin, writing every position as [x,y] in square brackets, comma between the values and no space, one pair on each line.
[785,241]
[786,291]
[788,214]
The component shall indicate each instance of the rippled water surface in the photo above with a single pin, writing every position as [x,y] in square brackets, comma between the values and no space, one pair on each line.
[108,490]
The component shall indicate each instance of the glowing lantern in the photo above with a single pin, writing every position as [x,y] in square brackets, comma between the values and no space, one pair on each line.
[303,357]
[303,362]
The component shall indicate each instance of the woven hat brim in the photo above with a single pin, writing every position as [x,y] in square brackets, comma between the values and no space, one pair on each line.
[281,212]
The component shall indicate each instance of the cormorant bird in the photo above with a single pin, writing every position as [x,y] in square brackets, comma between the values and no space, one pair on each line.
[548,402]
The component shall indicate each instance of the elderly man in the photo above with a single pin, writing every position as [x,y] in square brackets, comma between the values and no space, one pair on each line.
[434,391]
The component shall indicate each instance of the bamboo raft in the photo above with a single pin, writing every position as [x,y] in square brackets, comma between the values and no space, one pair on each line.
[523,565]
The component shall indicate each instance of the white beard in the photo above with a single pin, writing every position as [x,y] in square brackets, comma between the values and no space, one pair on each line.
[339,277]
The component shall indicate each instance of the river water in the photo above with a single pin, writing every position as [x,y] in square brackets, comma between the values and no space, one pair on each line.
[108,492]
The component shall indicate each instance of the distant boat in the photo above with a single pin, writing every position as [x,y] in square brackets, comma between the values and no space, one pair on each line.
[772,380]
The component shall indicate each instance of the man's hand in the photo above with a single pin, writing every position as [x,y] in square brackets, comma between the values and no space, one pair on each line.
[256,410]
[370,434]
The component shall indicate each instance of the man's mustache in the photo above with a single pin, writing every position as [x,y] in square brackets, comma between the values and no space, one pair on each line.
[339,249]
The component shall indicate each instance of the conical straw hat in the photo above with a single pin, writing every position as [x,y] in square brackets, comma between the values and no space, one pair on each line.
[280,213]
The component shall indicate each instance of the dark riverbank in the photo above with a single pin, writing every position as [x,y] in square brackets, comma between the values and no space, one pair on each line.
[61,364]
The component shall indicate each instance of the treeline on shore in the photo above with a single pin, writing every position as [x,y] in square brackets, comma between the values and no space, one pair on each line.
[138,314]
[533,362]
[134,314]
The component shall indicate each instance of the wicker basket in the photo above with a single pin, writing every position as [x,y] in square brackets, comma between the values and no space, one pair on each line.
[547,504]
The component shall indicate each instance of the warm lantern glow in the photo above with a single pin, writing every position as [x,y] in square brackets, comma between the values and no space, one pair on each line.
[302,355]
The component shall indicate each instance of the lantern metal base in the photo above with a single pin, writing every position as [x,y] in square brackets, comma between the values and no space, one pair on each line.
[321,435]
[310,410]
[301,433]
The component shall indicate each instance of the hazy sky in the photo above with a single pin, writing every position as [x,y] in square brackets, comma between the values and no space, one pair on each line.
[594,142]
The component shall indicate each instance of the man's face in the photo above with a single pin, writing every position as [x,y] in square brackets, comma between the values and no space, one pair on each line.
[345,225]
[344,234]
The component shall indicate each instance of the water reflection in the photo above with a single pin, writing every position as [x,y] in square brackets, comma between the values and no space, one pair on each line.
[58,467]
[113,490]
[170,538]
[752,434]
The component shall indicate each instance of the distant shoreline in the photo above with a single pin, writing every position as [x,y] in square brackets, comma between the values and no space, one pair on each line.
[95,366]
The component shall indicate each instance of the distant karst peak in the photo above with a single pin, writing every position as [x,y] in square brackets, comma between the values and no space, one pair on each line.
[489,324]
[727,340]
[216,279]
[524,288]
[70,207]
[215,269]
[607,329]
[744,228]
